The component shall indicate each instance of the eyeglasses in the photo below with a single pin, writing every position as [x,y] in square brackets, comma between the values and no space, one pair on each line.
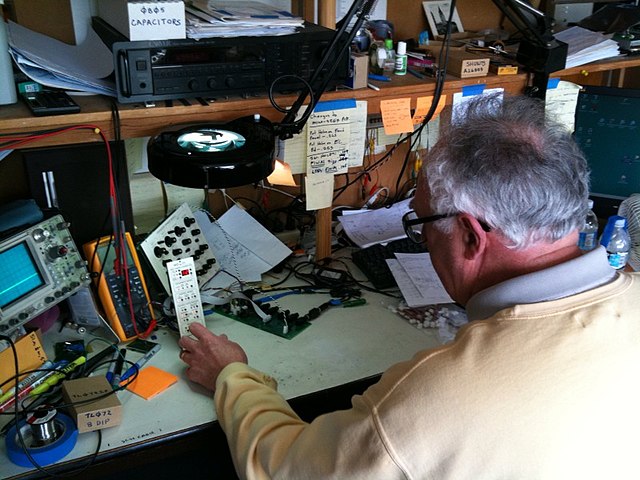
[410,219]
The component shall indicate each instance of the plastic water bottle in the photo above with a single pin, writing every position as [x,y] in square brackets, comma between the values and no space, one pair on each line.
[619,244]
[588,239]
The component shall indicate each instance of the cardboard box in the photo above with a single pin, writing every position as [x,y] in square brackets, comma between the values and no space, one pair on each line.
[64,20]
[31,355]
[359,70]
[467,65]
[139,20]
[104,412]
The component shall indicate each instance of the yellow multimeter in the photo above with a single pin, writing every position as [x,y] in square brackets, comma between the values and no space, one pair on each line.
[121,290]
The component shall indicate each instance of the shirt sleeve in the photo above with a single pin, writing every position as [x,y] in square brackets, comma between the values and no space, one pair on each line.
[267,439]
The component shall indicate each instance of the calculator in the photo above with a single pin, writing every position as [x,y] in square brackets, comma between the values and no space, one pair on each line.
[49,102]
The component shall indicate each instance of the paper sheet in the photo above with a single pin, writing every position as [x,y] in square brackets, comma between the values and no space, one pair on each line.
[319,191]
[242,246]
[294,150]
[56,64]
[418,280]
[376,226]
[561,102]
[461,99]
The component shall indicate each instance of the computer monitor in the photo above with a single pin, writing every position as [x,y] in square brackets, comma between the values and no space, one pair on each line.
[607,128]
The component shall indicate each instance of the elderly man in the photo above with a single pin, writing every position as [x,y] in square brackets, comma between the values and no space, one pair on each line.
[544,381]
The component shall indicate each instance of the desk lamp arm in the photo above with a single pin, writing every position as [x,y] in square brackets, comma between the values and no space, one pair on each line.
[539,51]
[339,45]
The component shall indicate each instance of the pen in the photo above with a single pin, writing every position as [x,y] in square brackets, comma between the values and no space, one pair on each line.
[26,381]
[379,78]
[115,381]
[26,390]
[416,74]
[57,376]
[373,87]
[140,363]
[112,366]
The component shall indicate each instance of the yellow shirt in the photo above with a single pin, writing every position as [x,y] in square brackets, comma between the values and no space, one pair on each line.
[549,390]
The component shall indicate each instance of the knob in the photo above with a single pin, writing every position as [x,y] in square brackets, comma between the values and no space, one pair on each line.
[49,299]
[179,230]
[211,83]
[195,231]
[169,240]
[186,241]
[39,235]
[57,251]
[176,251]
[193,85]
[188,221]
[229,81]
[159,251]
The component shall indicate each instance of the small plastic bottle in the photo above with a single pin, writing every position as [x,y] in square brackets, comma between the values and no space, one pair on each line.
[588,239]
[390,60]
[401,59]
[619,244]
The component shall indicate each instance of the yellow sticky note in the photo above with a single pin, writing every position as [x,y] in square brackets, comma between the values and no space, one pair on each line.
[396,116]
[151,381]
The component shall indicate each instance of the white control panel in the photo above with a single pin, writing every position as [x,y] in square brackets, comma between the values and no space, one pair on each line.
[185,293]
[179,236]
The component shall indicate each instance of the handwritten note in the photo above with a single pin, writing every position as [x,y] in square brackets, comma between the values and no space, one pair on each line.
[396,116]
[295,151]
[423,105]
[328,142]
[319,189]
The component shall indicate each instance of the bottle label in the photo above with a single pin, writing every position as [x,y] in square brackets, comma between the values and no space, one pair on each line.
[587,240]
[618,260]
[401,65]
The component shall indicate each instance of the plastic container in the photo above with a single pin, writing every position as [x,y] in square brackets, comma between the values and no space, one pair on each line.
[377,57]
[390,60]
[401,59]
[619,244]
[588,239]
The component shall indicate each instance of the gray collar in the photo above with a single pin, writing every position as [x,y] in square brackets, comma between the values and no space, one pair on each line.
[569,278]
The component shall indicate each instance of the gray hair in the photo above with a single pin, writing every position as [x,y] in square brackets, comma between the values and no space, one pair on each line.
[509,166]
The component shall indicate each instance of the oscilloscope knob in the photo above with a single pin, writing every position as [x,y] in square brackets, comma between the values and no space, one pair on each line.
[57,251]
[39,235]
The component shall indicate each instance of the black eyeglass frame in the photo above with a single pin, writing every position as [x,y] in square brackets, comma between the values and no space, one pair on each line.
[417,238]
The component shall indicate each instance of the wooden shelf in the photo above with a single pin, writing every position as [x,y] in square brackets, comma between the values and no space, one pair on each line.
[136,120]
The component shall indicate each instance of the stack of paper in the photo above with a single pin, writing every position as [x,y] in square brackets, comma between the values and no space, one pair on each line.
[213,18]
[586,46]
[53,63]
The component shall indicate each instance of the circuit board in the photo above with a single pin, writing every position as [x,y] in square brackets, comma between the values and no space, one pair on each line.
[276,325]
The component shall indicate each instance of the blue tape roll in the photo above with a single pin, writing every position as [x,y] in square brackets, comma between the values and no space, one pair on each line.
[47,454]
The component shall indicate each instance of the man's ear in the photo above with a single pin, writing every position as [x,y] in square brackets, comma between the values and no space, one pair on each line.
[473,236]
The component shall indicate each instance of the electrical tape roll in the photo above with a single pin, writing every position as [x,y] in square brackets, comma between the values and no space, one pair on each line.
[47,454]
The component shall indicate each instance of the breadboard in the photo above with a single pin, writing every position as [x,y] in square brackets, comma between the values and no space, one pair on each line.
[179,236]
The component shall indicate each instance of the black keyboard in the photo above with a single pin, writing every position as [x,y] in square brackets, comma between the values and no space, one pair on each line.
[372,260]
